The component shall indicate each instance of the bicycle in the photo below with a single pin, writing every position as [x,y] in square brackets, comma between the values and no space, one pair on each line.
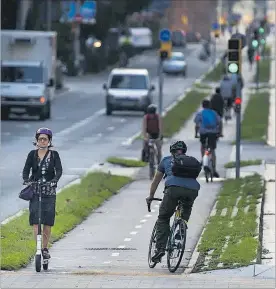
[152,158]
[172,245]
[207,163]
[227,111]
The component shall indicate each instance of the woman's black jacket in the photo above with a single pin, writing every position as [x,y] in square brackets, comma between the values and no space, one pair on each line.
[53,173]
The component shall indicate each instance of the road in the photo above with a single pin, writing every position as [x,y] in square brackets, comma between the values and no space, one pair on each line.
[83,134]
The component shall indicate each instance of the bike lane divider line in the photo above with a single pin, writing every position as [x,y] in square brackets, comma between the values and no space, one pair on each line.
[127,239]
[148,216]
[121,247]
[133,233]
[138,227]
[143,221]
[115,254]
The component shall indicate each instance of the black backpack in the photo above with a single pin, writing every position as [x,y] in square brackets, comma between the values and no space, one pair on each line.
[185,166]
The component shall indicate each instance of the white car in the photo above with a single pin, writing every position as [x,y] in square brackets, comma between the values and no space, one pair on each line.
[128,89]
[175,64]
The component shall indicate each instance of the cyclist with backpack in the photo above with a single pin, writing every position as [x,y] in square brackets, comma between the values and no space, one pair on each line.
[208,122]
[181,172]
[152,129]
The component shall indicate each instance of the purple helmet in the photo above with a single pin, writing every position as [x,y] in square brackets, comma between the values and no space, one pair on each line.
[44,130]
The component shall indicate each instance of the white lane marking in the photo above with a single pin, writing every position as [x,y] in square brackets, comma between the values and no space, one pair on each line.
[148,216]
[133,233]
[107,262]
[122,120]
[121,247]
[153,211]
[115,254]
[99,134]
[111,128]
[127,239]
[156,206]
[130,140]
[143,221]
[79,124]
[138,227]
[233,153]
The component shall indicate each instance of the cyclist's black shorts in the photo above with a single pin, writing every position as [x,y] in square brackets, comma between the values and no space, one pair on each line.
[153,135]
[211,139]
[228,102]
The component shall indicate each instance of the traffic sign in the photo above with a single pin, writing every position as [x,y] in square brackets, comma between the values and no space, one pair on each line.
[87,12]
[165,35]
[215,26]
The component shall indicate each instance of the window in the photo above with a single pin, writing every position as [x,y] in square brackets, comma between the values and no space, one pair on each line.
[129,82]
[22,74]
[178,57]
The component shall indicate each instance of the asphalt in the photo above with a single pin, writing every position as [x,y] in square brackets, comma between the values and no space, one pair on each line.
[83,134]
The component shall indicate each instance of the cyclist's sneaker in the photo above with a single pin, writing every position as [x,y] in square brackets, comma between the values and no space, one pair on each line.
[216,175]
[158,255]
[45,254]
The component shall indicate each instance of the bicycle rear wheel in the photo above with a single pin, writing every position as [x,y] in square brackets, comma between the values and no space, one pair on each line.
[152,245]
[176,248]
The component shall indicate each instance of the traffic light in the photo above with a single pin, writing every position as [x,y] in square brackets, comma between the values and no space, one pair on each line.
[165,50]
[257,57]
[238,102]
[255,39]
[234,56]
[261,30]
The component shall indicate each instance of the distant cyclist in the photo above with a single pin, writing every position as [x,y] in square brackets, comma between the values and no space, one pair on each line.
[152,129]
[208,122]
[217,104]
[181,172]
[227,91]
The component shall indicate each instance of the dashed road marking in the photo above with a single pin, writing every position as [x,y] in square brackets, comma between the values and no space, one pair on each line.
[121,247]
[153,211]
[99,134]
[138,227]
[122,120]
[110,128]
[133,233]
[127,239]
[115,254]
[107,262]
[148,216]
[156,206]
[143,221]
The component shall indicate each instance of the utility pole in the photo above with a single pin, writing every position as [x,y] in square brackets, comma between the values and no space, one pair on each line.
[161,85]
[77,38]
[49,15]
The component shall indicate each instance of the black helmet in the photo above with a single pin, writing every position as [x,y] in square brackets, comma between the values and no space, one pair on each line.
[206,103]
[151,108]
[178,145]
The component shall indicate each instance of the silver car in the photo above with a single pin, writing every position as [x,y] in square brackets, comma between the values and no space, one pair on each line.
[128,89]
[175,64]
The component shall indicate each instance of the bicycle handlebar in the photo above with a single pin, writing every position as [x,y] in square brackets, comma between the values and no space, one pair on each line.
[153,199]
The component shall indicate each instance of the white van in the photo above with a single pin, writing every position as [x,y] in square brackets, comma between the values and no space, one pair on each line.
[128,89]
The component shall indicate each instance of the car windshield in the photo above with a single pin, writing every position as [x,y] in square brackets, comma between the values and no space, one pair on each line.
[128,82]
[178,57]
[22,74]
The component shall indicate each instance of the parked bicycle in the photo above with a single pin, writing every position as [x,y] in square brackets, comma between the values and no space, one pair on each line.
[152,158]
[176,242]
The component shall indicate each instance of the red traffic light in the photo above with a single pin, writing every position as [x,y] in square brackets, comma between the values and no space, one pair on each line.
[238,100]
[257,57]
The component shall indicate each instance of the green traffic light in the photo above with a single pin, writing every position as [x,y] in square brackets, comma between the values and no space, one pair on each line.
[255,43]
[261,30]
[233,68]
[263,41]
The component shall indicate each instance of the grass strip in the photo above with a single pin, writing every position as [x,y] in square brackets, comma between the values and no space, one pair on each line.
[247,163]
[240,198]
[73,205]
[215,74]
[129,163]
[202,85]
[255,120]
[179,114]
[264,66]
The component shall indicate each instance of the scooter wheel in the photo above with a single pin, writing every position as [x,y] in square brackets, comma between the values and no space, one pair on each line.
[38,263]
[45,266]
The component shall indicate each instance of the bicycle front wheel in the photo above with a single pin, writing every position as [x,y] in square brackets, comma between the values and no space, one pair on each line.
[151,164]
[176,245]
[152,246]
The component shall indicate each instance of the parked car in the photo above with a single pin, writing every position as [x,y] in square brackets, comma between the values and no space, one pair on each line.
[176,64]
[128,89]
